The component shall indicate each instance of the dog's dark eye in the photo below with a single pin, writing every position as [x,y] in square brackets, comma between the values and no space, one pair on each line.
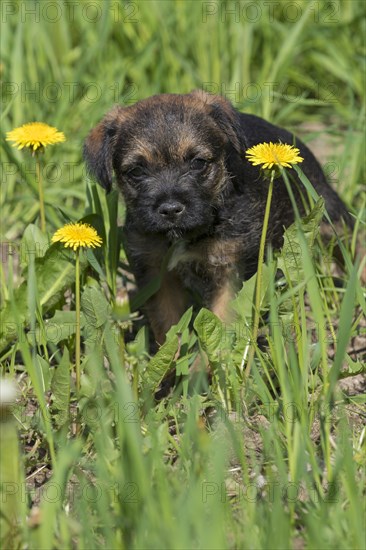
[199,164]
[137,172]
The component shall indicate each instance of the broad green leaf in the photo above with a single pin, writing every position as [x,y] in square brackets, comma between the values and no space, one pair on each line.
[243,304]
[92,259]
[354,367]
[290,259]
[360,399]
[54,273]
[95,306]
[182,324]
[61,326]
[161,363]
[211,333]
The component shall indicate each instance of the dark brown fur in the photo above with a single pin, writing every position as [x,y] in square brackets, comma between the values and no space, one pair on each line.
[180,164]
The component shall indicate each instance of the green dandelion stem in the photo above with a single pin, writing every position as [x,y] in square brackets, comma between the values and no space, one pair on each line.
[258,286]
[40,194]
[77,331]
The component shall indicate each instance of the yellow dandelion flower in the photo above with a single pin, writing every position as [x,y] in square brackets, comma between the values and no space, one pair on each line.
[36,135]
[273,154]
[76,235]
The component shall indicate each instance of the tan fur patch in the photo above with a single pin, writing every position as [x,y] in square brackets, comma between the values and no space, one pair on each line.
[141,149]
[220,303]
[167,306]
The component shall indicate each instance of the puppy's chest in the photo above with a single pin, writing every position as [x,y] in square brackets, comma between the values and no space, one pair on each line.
[205,260]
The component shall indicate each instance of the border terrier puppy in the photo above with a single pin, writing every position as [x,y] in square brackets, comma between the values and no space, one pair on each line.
[179,161]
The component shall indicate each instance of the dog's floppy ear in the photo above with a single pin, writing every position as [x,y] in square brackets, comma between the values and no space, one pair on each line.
[99,147]
[225,116]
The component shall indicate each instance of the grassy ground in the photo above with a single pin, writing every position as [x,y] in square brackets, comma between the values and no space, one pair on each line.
[271,460]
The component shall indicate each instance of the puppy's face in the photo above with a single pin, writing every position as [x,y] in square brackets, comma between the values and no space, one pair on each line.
[169,156]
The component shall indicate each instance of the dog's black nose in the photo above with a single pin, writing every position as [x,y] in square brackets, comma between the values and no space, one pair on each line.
[171,210]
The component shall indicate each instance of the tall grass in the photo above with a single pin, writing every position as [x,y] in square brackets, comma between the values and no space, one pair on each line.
[272,461]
